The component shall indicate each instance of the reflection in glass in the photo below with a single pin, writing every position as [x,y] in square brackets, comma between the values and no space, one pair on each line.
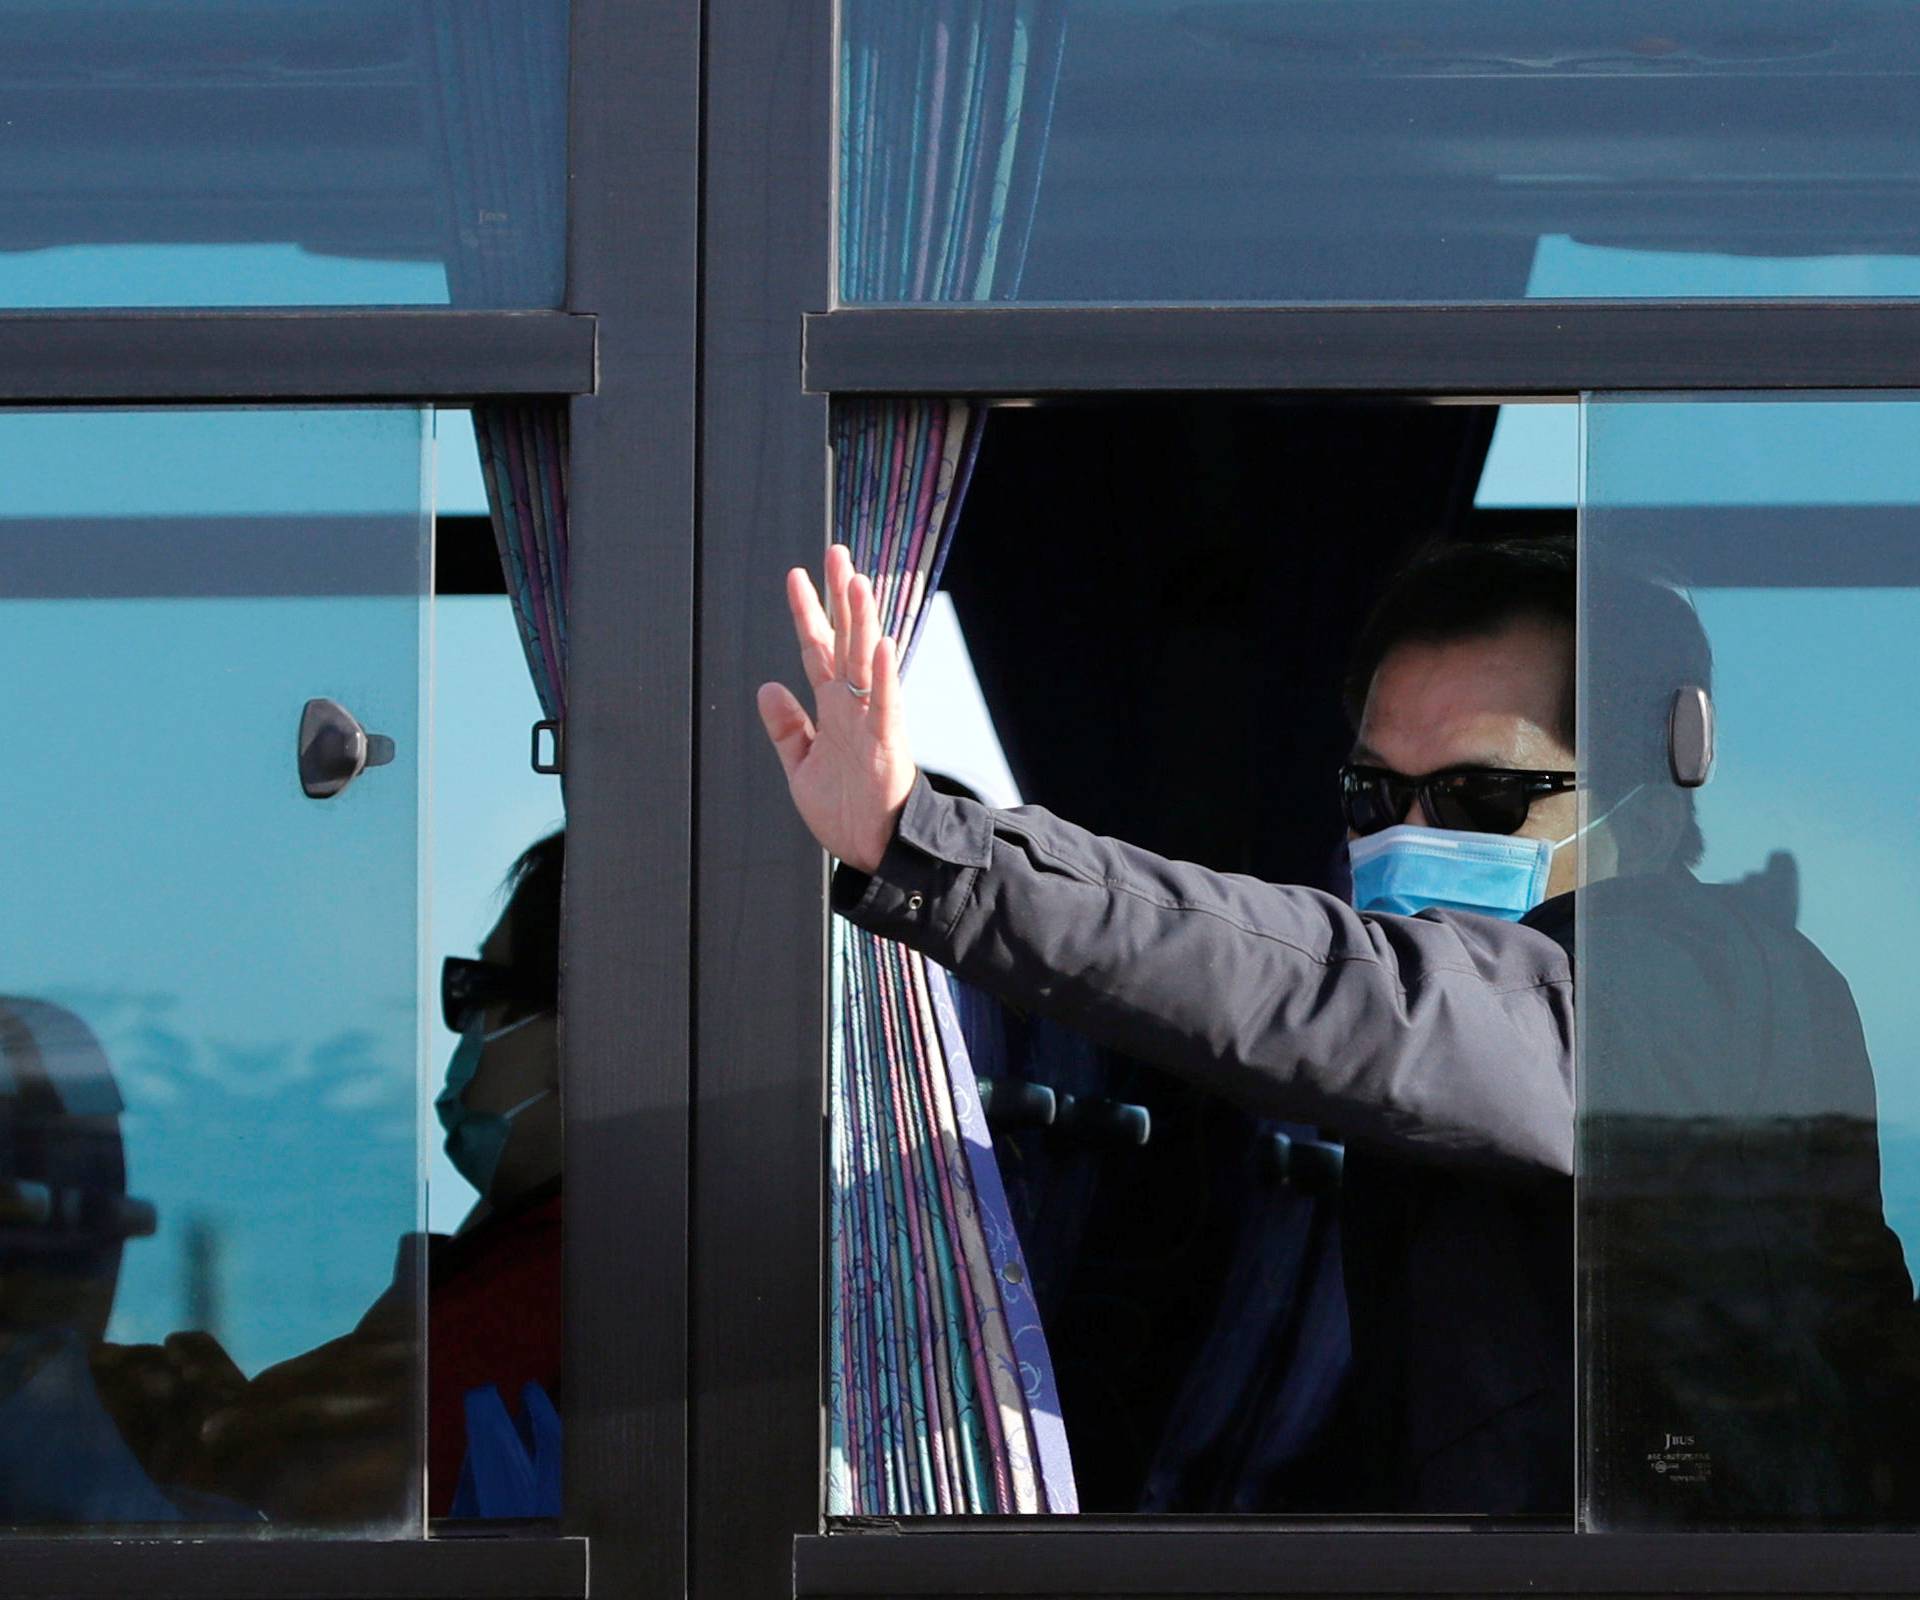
[251,152]
[494,1288]
[1248,150]
[1750,1075]
[208,1115]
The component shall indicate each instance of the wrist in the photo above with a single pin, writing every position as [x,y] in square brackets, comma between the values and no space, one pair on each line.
[874,848]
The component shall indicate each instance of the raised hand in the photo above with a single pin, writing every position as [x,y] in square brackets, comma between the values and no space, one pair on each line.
[847,765]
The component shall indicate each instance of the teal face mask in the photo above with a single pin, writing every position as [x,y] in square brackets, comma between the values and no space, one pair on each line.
[476,1139]
[1408,869]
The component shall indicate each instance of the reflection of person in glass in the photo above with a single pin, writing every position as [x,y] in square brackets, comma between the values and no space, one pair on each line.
[64,1216]
[1430,1021]
[329,1437]
[493,1374]
[1752,1350]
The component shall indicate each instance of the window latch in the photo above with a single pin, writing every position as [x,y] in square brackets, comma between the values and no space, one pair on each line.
[334,749]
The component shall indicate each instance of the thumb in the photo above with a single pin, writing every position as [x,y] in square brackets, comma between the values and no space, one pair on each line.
[787,725]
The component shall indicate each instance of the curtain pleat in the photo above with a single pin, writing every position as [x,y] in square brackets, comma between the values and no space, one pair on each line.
[523,458]
[945,110]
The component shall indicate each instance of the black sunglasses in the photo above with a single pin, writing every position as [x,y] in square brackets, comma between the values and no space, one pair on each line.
[1475,799]
[468,987]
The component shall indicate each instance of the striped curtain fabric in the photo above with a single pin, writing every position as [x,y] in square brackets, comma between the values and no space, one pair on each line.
[945,107]
[523,457]
[941,1394]
[941,1389]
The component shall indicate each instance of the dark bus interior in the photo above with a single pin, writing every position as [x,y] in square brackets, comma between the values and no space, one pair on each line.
[1184,576]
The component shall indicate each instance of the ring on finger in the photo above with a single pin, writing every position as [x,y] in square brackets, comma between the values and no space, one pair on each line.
[862,695]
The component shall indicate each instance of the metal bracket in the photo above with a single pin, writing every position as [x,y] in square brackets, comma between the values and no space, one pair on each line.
[557,764]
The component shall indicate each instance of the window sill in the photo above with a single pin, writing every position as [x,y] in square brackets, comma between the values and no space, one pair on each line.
[1058,1557]
[82,1565]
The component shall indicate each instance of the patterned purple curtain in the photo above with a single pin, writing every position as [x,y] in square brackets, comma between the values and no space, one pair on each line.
[523,456]
[941,1392]
[944,111]
[942,1397]
[494,76]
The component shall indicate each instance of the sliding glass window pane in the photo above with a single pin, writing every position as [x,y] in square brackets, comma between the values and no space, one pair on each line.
[209,1013]
[252,152]
[1313,150]
[1750,1100]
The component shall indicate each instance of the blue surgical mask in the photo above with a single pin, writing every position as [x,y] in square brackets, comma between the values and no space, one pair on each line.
[476,1139]
[1408,869]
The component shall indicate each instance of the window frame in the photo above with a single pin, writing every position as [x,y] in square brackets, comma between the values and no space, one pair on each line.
[775,349]
[622,355]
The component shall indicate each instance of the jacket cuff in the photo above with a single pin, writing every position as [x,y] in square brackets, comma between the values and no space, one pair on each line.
[939,840]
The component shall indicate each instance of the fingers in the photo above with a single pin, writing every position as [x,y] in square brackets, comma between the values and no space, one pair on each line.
[788,725]
[886,689]
[810,628]
[839,580]
[862,632]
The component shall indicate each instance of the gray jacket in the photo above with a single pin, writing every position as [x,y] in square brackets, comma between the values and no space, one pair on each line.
[1440,1046]
[1744,1288]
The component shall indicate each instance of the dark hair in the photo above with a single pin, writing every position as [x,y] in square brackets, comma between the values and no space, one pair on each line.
[1450,591]
[533,904]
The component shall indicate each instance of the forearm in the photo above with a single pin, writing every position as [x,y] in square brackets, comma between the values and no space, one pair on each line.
[1425,1034]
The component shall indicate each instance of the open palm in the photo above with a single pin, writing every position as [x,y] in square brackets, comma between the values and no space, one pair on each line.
[847,765]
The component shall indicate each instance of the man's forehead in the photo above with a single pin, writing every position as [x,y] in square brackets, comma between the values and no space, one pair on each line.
[1489,756]
[1495,700]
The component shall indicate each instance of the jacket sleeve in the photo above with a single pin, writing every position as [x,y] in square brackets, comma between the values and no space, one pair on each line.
[1442,1035]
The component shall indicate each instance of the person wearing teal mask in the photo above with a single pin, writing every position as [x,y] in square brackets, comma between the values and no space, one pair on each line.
[494,1288]
[499,1103]
[476,1140]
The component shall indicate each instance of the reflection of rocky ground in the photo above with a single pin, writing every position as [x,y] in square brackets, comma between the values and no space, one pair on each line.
[1744,1297]
[291,1163]
[352,1071]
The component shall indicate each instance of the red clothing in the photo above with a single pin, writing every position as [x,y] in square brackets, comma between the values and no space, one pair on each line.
[493,1316]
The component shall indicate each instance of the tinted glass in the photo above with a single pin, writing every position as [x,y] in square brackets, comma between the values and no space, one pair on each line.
[209,1014]
[1750,1101]
[252,152]
[1250,150]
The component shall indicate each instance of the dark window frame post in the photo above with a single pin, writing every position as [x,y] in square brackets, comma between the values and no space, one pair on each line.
[633,263]
[760,920]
